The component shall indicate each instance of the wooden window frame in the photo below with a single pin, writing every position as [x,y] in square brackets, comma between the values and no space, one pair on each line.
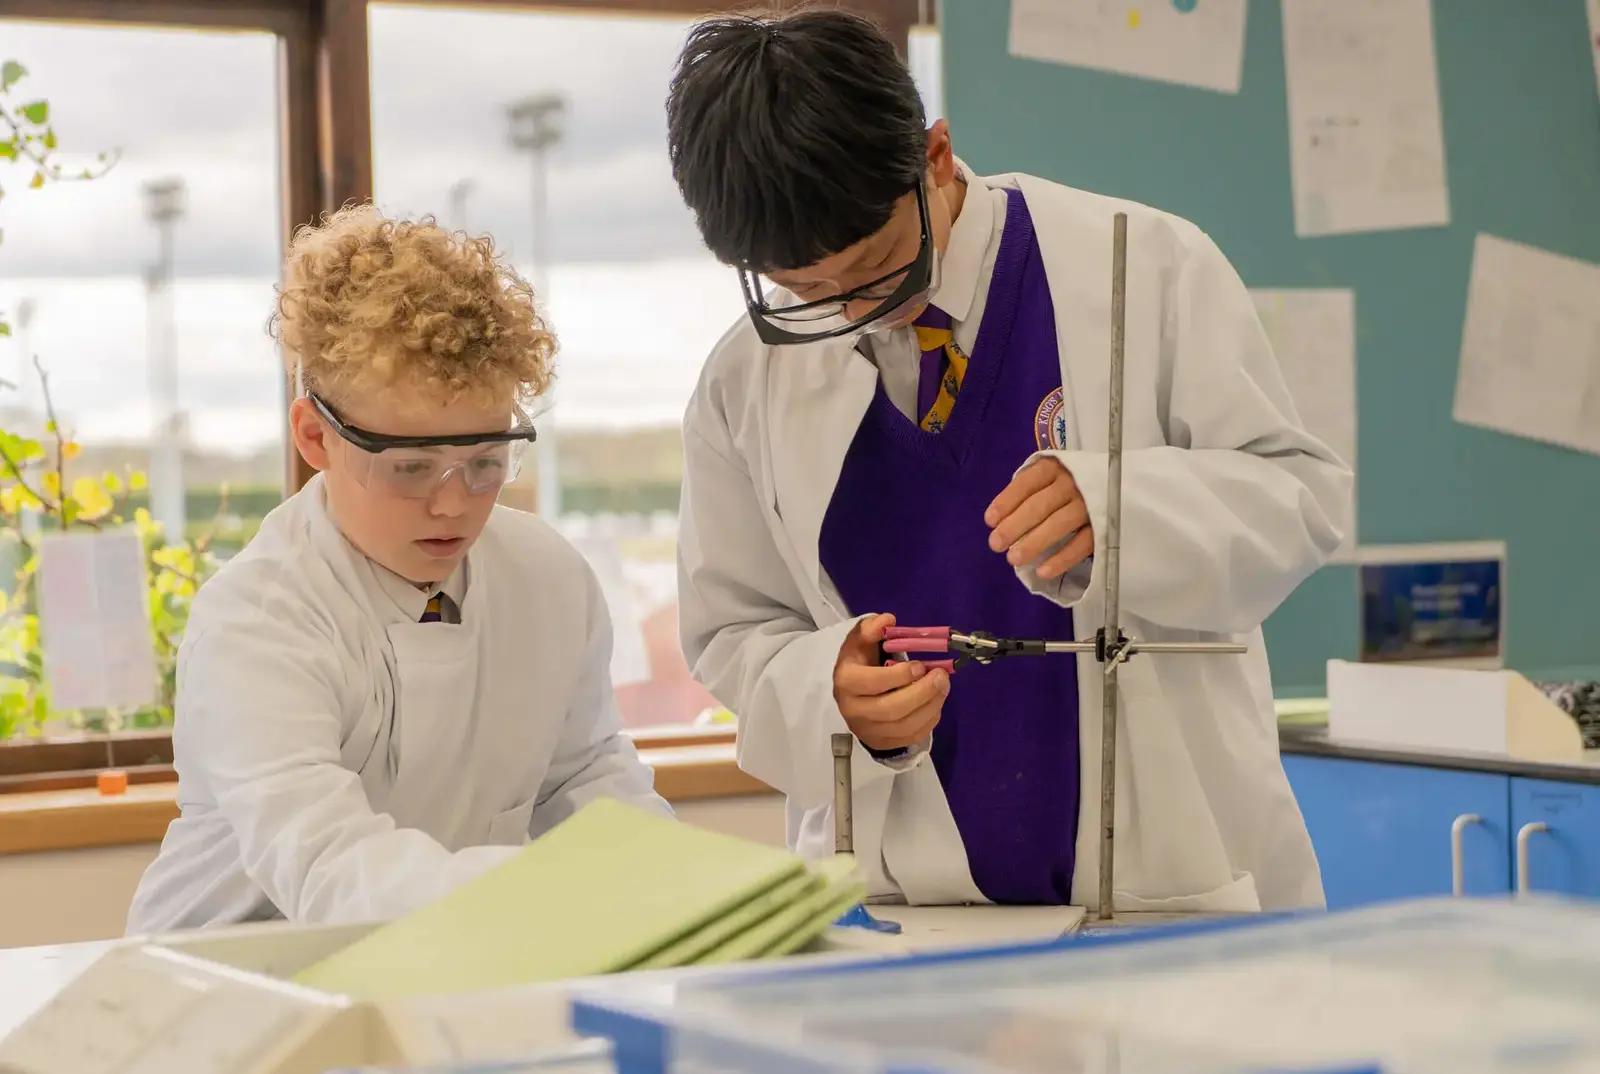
[325,111]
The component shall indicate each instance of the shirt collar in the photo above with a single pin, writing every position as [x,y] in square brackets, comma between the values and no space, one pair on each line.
[411,600]
[962,263]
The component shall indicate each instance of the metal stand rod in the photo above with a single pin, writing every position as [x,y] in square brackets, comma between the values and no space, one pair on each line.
[1133,648]
[1111,561]
[844,826]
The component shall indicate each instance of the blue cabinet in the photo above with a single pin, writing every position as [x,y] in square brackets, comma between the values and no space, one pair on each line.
[1558,827]
[1389,831]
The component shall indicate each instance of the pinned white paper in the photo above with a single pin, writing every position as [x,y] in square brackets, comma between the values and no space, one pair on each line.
[1530,349]
[1366,139]
[630,656]
[1191,42]
[1594,38]
[94,621]
[1313,334]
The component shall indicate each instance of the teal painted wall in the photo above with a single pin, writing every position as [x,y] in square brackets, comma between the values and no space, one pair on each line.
[1522,142]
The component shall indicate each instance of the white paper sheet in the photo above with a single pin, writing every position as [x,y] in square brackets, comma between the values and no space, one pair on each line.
[1366,141]
[1594,38]
[630,657]
[94,621]
[1313,333]
[1530,349]
[1191,42]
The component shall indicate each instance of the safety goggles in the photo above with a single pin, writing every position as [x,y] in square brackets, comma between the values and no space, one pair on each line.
[806,322]
[415,467]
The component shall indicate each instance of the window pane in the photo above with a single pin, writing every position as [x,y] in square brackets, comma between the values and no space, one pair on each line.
[144,292]
[924,55]
[636,302]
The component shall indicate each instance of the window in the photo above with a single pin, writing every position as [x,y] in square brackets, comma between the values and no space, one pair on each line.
[144,293]
[547,130]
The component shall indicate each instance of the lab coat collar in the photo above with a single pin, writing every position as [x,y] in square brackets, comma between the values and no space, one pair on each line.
[970,235]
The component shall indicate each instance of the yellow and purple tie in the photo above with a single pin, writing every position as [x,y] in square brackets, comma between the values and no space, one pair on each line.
[943,366]
[434,612]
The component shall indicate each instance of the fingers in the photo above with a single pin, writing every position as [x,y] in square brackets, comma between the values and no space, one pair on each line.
[896,704]
[1061,524]
[874,627]
[905,732]
[1033,478]
[869,680]
[1080,548]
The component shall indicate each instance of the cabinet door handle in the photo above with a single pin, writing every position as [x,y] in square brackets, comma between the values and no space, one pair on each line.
[1525,833]
[1457,826]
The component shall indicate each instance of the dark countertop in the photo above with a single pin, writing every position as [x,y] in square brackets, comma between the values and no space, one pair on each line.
[1314,741]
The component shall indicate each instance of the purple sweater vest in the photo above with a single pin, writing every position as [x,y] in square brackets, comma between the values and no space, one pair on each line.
[904,533]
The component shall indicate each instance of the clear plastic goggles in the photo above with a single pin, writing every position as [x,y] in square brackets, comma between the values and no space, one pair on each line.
[415,468]
[906,287]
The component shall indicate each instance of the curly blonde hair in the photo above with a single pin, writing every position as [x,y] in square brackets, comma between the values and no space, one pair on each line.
[370,305]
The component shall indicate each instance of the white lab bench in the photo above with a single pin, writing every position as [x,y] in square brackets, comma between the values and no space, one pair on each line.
[507,1023]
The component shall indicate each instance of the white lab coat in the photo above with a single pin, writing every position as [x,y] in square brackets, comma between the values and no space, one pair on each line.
[338,761]
[1228,505]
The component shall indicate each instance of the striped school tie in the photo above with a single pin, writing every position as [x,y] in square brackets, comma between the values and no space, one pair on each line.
[943,366]
[434,612]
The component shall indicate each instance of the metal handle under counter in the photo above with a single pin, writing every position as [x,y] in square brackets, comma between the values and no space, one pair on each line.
[1525,833]
[1457,870]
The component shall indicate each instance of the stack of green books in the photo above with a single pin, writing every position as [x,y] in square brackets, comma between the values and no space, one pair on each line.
[613,888]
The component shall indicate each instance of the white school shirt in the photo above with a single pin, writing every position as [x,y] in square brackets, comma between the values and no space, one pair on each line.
[965,271]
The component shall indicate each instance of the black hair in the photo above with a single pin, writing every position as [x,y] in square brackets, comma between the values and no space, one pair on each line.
[792,136]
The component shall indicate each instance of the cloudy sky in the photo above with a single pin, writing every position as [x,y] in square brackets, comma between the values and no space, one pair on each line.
[204,107]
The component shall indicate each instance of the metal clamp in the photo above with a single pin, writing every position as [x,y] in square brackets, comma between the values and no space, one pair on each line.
[1457,827]
[1525,833]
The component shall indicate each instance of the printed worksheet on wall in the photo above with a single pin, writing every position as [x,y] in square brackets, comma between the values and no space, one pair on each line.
[1530,348]
[1366,139]
[1594,38]
[94,621]
[1313,333]
[1196,43]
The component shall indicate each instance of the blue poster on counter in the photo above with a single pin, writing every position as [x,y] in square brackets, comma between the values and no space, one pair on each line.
[1433,609]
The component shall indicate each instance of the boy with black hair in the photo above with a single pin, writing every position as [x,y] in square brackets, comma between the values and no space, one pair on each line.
[910,426]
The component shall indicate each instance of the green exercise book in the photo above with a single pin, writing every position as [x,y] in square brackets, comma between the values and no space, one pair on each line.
[690,948]
[602,891]
[806,917]
[819,923]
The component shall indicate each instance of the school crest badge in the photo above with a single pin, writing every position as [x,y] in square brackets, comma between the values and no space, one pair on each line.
[1050,422]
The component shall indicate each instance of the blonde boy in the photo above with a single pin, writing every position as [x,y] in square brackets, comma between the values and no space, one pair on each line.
[397,683]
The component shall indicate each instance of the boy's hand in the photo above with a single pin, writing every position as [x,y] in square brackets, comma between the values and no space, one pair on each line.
[886,707]
[1037,511]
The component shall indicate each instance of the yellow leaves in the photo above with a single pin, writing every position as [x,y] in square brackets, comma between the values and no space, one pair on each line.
[92,498]
[14,498]
[5,602]
[112,483]
[136,481]
[51,482]
[71,449]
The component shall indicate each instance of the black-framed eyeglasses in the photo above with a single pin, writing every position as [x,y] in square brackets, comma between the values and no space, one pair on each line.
[807,322]
[414,467]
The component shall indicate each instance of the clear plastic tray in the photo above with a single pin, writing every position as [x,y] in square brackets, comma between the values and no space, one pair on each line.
[1430,987]
[592,1057]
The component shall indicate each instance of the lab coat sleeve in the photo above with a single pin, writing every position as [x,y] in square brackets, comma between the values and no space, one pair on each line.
[594,758]
[257,723]
[746,634]
[1242,504]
